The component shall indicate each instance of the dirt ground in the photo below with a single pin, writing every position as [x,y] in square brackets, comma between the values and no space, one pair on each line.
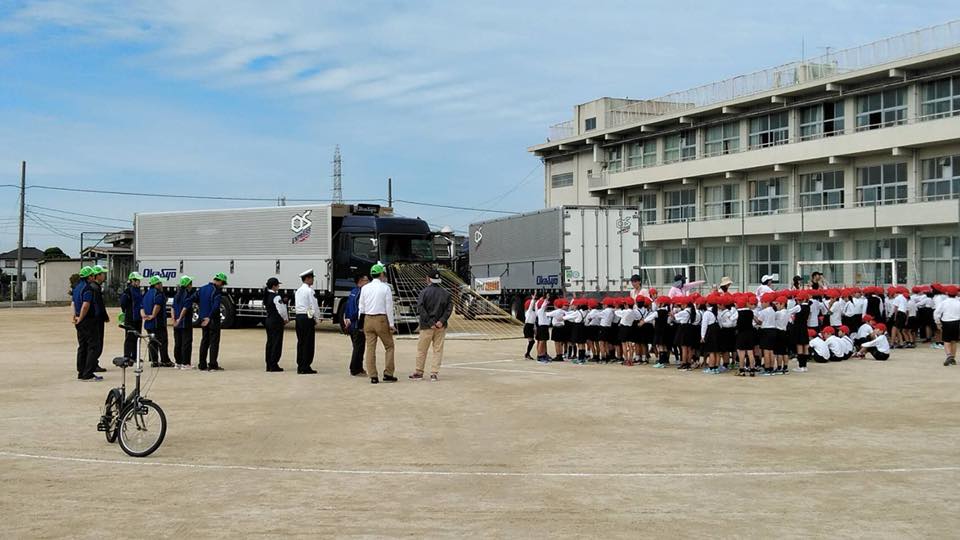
[500,447]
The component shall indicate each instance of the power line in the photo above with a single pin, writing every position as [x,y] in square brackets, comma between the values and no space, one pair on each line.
[130,220]
[51,228]
[467,208]
[80,222]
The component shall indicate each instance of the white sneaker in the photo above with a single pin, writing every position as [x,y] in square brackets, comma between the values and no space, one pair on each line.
[800,370]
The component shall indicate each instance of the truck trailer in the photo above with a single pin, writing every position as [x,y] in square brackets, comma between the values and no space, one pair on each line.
[582,250]
[252,244]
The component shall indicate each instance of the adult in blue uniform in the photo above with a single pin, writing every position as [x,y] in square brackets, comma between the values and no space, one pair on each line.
[154,313]
[131,300]
[351,323]
[183,303]
[208,297]
[82,321]
[277,317]
[100,316]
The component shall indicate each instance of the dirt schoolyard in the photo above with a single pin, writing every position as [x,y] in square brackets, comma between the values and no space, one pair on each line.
[500,447]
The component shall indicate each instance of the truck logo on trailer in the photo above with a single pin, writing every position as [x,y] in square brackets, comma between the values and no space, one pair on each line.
[301,225]
[478,236]
[623,225]
[552,279]
[165,273]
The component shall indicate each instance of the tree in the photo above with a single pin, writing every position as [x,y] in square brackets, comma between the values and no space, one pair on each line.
[53,253]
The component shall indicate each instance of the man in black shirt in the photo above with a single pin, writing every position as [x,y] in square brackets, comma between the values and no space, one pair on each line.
[435,307]
[277,317]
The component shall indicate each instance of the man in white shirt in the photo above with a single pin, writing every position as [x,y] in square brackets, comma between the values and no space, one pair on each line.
[307,312]
[376,309]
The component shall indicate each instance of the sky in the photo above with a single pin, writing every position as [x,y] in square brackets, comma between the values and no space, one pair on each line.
[248,98]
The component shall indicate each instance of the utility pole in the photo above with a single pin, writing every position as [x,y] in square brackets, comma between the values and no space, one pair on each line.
[337,177]
[390,192]
[23,193]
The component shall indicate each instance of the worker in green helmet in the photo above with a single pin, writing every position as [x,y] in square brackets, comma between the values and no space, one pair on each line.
[183,303]
[83,322]
[376,309]
[99,312]
[209,298]
[131,300]
[154,313]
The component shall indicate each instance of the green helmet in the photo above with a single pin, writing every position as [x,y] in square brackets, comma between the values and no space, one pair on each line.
[155,280]
[86,272]
[185,280]
[221,277]
[377,269]
[122,318]
[134,276]
[99,270]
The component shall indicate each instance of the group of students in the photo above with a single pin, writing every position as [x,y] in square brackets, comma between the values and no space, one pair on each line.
[759,332]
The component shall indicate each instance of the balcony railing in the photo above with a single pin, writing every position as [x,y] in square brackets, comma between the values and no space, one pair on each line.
[562,130]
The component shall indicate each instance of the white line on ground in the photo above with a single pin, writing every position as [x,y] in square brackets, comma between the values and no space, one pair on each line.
[533,474]
[504,370]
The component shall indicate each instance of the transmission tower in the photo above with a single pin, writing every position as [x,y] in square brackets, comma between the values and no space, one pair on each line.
[337,177]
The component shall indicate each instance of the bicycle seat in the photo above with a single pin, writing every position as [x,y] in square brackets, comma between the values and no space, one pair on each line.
[123,361]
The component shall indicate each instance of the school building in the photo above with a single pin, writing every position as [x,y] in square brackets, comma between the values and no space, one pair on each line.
[851,155]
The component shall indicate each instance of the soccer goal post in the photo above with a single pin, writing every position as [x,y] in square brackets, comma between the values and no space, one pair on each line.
[662,275]
[854,273]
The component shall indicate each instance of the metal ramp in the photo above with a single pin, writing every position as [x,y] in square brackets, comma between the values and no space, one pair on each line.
[474,317]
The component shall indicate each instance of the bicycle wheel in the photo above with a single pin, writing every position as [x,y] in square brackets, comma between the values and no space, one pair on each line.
[142,428]
[111,415]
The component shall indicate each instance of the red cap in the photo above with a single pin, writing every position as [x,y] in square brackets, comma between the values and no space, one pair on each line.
[741,303]
[844,329]
[768,297]
[781,300]
[653,292]
[811,333]
[560,302]
[867,317]
[526,303]
[700,301]
[608,302]
[828,330]
[664,300]
[626,301]
[881,327]
[951,290]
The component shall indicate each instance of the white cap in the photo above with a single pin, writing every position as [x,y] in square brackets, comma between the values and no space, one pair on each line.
[306,273]
[766,278]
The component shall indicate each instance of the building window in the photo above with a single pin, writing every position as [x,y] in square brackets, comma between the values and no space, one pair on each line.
[939,259]
[9,263]
[886,183]
[642,154]
[883,109]
[940,98]
[647,204]
[822,190]
[769,130]
[561,180]
[722,139]
[721,201]
[688,145]
[682,257]
[614,159]
[671,148]
[768,196]
[590,124]
[823,120]
[824,251]
[766,259]
[940,178]
[679,205]
[879,274]
[721,261]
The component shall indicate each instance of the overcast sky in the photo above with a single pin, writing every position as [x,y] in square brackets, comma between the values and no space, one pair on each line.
[248,98]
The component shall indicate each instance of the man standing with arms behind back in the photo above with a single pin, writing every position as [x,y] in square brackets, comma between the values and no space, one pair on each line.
[435,308]
[208,297]
[308,311]
[376,311]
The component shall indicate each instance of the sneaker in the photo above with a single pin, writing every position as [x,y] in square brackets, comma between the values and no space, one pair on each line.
[544,360]
[416,376]
[950,361]
[359,374]
[389,378]
[374,380]
[434,378]
[92,378]
[167,364]
[658,365]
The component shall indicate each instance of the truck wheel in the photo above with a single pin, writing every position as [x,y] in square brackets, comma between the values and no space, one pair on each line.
[405,329]
[228,313]
[516,309]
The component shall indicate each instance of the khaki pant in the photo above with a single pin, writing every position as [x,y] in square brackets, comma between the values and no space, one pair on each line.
[377,326]
[428,336]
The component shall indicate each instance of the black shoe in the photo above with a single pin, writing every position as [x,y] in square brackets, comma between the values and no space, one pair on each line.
[950,361]
[389,378]
[215,367]
[374,380]
[274,369]
[307,371]
[99,369]
[167,364]
[154,364]
[202,367]
[359,374]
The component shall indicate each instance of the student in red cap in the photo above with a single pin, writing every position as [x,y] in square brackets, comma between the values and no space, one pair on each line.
[727,315]
[664,332]
[864,333]
[947,317]
[767,336]
[558,332]
[530,324]
[543,329]
[782,350]
[802,359]
[818,347]
[577,335]
[608,330]
[592,328]
[844,334]
[878,347]
[746,339]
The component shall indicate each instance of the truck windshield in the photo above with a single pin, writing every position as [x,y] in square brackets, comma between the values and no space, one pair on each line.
[406,248]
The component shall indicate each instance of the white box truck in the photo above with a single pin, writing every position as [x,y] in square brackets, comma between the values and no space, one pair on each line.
[252,244]
[583,250]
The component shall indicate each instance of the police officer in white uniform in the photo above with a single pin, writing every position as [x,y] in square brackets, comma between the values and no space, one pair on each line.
[308,312]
